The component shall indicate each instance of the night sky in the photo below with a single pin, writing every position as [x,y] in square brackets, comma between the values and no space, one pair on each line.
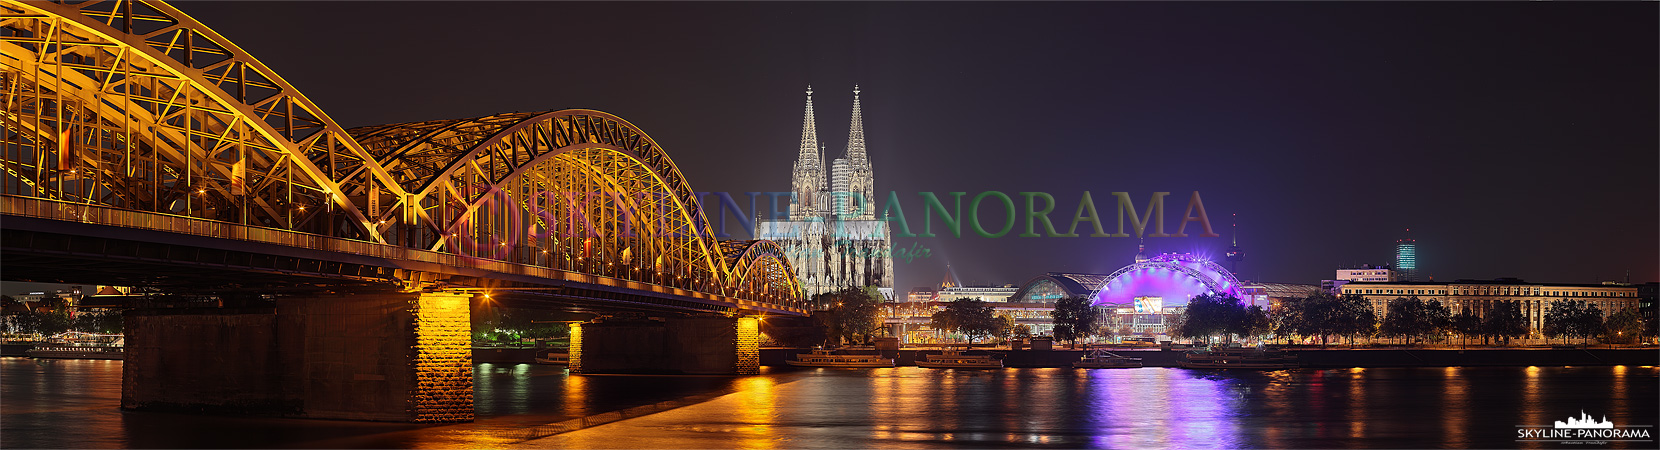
[1514,139]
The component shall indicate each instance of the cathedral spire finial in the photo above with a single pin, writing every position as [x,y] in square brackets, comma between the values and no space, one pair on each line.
[856,132]
[809,177]
[809,135]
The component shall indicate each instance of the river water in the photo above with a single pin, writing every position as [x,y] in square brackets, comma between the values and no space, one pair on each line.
[74,404]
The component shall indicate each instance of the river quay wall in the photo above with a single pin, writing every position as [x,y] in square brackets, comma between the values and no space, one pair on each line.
[1327,358]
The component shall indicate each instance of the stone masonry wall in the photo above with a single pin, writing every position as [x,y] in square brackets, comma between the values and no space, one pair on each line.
[443,359]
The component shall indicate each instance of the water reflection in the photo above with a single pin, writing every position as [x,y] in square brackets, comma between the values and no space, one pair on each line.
[74,405]
[573,393]
[1619,408]
[1358,410]
[758,411]
[1532,414]
[1455,401]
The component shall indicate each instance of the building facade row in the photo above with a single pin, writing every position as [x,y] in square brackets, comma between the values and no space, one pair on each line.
[1480,296]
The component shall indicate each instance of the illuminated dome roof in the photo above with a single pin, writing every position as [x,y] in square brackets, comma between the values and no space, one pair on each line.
[1174,277]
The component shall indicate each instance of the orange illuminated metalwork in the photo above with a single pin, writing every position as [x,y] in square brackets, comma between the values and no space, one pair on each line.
[134,105]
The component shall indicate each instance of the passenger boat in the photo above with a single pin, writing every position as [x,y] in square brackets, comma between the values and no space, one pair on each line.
[828,358]
[955,359]
[554,358]
[1239,358]
[1102,359]
[76,345]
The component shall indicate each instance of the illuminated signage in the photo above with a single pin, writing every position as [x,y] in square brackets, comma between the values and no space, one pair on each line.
[1149,305]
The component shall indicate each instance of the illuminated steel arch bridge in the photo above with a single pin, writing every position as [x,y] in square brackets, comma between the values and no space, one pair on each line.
[128,118]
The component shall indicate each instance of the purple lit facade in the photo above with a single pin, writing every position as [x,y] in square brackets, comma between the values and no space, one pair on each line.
[1147,294]
[1173,277]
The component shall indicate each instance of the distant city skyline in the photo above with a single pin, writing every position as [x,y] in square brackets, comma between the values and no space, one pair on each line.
[1514,139]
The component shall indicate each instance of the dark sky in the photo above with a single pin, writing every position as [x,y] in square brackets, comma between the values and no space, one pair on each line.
[1514,139]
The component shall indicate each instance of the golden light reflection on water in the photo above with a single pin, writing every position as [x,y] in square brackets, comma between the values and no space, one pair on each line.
[1454,399]
[1359,414]
[758,411]
[1619,394]
[948,389]
[1532,408]
[575,393]
[1274,395]
[1042,420]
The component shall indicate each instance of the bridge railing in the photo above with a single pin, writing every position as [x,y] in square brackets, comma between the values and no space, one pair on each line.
[103,215]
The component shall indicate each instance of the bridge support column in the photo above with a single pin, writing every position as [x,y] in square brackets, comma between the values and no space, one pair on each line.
[692,345]
[403,357]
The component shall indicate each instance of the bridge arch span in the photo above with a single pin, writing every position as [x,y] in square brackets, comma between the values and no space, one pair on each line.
[135,106]
[154,95]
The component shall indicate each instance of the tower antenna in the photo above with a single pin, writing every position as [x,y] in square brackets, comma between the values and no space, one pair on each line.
[1235,254]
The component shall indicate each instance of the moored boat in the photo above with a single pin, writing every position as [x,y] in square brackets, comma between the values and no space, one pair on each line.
[1102,359]
[554,359]
[828,358]
[75,345]
[1239,358]
[955,359]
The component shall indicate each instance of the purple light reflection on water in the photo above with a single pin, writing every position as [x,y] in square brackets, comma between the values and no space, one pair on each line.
[1163,408]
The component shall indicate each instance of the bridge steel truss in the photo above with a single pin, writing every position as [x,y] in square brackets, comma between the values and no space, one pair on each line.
[134,106]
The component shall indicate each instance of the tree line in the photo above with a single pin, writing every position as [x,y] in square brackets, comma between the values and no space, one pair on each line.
[1326,316]
[53,315]
[1322,315]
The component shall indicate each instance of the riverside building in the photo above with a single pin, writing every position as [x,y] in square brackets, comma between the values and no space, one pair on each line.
[1480,295]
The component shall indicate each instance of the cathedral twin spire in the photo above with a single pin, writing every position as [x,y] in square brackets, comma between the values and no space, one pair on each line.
[851,182]
[808,179]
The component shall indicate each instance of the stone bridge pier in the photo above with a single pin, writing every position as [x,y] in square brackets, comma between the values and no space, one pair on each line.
[403,357]
[689,345]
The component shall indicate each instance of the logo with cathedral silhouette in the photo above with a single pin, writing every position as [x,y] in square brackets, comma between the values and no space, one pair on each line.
[1585,429]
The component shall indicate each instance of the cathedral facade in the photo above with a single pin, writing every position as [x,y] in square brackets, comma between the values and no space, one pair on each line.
[832,237]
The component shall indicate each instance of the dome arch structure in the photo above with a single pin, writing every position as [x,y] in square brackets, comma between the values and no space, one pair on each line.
[1173,278]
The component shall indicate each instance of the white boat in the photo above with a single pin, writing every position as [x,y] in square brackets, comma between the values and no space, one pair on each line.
[828,358]
[556,359]
[1239,358]
[955,359]
[1102,359]
[76,345]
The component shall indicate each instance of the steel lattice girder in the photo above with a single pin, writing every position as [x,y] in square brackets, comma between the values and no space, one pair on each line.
[164,115]
[537,163]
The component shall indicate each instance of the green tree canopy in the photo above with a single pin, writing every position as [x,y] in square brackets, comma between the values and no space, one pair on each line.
[1505,321]
[1021,332]
[1324,315]
[1414,318]
[1074,319]
[968,316]
[1466,324]
[1625,326]
[856,311]
[1221,314]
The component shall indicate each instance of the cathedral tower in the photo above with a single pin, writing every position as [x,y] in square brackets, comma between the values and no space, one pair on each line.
[808,182]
